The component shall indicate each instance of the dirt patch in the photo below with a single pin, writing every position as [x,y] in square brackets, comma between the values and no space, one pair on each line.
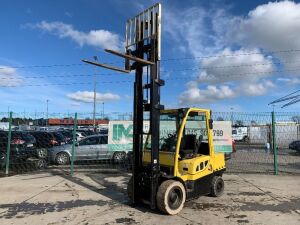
[235,216]
[243,221]
[247,193]
[126,221]
[26,208]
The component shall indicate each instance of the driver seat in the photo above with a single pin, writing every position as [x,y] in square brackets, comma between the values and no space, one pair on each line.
[188,145]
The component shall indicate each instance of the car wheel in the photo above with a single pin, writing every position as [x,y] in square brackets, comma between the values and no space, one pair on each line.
[119,157]
[2,160]
[170,197]
[42,153]
[217,186]
[246,139]
[62,158]
[41,164]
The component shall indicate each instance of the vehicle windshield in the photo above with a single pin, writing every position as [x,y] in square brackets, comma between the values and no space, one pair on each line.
[168,130]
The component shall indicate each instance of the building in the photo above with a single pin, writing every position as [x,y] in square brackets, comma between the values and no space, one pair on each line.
[80,122]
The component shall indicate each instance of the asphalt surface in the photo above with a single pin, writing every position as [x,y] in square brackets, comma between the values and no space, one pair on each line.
[99,197]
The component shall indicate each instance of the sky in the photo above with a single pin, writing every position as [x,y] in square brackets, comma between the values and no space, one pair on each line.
[223,55]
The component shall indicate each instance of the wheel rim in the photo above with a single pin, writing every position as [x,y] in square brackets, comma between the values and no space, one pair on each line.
[41,164]
[42,153]
[62,158]
[118,156]
[175,198]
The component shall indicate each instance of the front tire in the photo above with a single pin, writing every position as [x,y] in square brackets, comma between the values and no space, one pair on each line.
[62,158]
[171,196]
[217,186]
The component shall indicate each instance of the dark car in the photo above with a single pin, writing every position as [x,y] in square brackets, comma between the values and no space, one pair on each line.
[68,134]
[295,145]
[18,152]
[59,137]
[45,139]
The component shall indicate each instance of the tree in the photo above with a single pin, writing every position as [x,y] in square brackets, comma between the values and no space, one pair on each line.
[296,119]
[253,122]
[239,123]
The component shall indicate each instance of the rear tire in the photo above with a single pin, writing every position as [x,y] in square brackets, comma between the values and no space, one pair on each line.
[217,186]
[171,196]
[119,157]
[62,158]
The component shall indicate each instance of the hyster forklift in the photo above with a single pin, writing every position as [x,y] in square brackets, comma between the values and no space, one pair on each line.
[175,160]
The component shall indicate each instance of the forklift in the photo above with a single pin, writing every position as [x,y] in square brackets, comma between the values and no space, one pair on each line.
[175,160]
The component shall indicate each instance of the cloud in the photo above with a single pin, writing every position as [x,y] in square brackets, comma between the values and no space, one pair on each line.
[9,77]
[75,104]
[95,38]
[235,66]
[194,95]
[88,96]
[231,74]
[190,29]
[272,26]
[290,81]
[256,89]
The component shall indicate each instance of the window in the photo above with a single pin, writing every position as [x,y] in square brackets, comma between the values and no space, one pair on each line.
[103,140]
[195,137]
[89,141]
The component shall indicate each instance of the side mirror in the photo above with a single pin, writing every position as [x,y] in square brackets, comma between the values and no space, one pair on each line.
[210,124]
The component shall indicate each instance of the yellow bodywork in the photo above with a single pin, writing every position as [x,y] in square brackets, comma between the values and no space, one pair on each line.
[192,168]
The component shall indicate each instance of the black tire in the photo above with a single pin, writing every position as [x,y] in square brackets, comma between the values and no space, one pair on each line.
[2,160]
[171,196]
[217,186]
[41,164]
[62,158]
[119,157]
[42,153]
[130,189]
[246,139]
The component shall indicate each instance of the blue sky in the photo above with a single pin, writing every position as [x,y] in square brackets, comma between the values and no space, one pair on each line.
[249,38]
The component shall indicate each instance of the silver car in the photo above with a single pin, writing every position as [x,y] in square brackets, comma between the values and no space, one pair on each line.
[92,147]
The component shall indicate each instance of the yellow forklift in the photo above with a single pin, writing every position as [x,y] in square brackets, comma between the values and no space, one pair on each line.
[175,160]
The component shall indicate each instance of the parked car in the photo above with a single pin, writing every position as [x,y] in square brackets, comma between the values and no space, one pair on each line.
[295,145]
[228,155]
[17,153]
[93,147]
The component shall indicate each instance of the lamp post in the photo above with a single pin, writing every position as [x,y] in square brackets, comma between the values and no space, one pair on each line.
[47,123]
[94,108]
[102,110]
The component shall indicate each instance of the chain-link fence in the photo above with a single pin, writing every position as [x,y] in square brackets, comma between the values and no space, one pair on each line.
[74,142]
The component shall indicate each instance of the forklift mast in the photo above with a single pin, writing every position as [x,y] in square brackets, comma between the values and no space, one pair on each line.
[148,47]
[143,39]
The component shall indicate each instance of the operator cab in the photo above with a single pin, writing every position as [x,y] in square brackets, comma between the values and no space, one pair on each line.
[184,135]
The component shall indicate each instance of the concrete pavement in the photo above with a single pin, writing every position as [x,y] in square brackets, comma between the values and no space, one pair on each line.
[100,198]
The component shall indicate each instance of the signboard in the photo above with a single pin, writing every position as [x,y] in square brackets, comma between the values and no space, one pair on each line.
[120,134]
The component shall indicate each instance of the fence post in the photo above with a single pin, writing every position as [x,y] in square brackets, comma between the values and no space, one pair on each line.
[73,145]
[274,144]
[8,144]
